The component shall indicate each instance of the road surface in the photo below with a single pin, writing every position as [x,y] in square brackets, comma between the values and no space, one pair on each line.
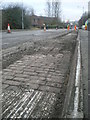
[15,38]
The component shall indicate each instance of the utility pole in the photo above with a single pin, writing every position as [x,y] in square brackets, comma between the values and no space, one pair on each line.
[22,16]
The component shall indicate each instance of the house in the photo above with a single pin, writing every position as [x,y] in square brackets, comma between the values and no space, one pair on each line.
[38,21]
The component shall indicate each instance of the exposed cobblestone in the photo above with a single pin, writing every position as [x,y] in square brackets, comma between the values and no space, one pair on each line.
[49,89]
[44,73]
[10,82]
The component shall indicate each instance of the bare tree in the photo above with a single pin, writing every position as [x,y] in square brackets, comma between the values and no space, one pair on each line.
[53,8]
[30,11]
[48,9]
[56,8]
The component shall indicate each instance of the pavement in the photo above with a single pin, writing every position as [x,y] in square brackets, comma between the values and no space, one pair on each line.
[83,35]
[35,85]
[88,73]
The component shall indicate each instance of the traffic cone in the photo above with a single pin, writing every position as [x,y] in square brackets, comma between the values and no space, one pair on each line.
[75,27]
[8,29]
[44,28]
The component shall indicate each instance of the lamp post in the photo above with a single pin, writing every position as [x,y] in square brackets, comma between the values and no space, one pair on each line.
[82,14]
[22,16]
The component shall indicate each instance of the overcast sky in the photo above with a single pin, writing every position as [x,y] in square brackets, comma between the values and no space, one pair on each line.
[71,9]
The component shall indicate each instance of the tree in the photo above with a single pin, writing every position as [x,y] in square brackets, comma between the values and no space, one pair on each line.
[48,8]
[30,11]
[12,14]
[54,10]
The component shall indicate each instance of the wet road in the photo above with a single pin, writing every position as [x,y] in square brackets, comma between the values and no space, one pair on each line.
[15,38]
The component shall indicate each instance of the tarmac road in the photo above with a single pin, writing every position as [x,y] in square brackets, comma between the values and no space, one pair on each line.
[15,38]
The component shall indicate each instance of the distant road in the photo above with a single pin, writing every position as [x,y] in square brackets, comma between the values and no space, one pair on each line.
[15,38]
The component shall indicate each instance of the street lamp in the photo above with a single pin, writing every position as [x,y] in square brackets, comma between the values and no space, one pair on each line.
[22,16]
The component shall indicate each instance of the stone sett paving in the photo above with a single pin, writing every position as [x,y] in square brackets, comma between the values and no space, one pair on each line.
[35,85]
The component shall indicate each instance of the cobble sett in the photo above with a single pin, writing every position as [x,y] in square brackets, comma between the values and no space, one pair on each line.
[34,76]
[44,78]
[45,72]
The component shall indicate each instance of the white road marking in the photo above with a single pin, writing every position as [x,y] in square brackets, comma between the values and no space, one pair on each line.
[77,84]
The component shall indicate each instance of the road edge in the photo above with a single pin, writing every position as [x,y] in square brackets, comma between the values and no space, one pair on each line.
[73,104]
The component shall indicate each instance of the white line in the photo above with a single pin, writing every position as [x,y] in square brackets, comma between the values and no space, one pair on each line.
[77,84]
